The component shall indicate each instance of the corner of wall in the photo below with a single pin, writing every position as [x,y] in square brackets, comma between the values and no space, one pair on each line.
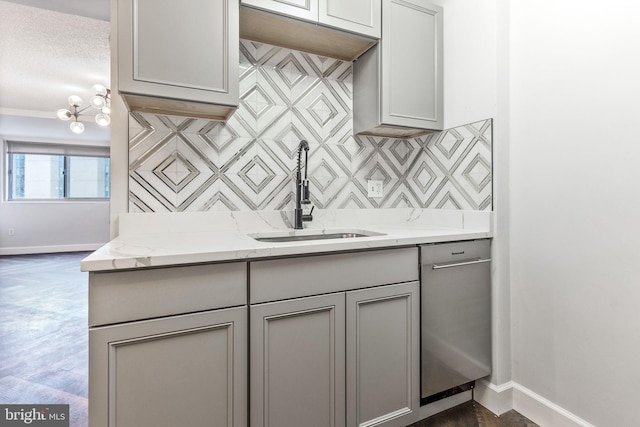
[119,202]
[542,411]
[511,395]
[497,399]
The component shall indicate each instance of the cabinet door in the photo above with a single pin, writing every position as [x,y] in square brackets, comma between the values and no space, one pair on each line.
[383,371]
[358,16]
[185,370]
[303,9]
[179,50]
[412,64]
[297,362]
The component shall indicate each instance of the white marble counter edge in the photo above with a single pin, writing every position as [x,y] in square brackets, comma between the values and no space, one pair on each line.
[175,249]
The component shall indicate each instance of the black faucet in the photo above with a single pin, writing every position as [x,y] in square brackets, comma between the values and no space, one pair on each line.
[302,188]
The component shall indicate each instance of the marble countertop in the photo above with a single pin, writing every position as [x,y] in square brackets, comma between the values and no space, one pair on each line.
[155,240]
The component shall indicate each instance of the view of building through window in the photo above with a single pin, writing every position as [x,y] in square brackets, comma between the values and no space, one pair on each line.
[42,176]
[88,177]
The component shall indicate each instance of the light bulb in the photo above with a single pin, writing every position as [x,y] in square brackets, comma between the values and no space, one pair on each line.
[76,127]
[98,102]
[106,109]
[99,89]
[64,114]
[75,100]
[103,119]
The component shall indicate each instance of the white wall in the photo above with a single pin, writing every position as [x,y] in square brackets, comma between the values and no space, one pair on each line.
[42,227]
[48,226]
[119,138]
[476,56]
[575,196]
[469,61]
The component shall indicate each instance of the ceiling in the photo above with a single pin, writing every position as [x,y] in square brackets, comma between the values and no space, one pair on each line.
[50,49]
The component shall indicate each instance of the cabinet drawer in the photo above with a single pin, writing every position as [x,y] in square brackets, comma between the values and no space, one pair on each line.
[273,280]
[125,296]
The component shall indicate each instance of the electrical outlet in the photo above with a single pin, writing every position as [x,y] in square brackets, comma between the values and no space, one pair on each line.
[12,232]
[374,188]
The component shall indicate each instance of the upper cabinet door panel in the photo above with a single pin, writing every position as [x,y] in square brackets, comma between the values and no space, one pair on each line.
[164,55]
[358,16]
[412,63]
[185,51]
[303,9]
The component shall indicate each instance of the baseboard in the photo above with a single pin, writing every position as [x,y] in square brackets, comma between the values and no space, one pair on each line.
[496,398]
[28,250]
[511,395]
[542,411]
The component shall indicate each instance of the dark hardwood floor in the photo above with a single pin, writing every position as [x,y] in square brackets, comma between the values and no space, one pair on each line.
[43,332]
[472,414]
[43,342]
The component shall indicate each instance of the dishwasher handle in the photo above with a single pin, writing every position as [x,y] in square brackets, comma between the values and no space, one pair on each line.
[460,264]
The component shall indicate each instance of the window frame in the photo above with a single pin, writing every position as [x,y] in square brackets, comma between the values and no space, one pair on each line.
[64,150]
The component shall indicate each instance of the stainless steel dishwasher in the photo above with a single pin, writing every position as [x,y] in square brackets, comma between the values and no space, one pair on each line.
[456,317]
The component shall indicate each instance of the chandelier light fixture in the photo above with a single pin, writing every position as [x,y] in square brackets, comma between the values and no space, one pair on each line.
[101,100]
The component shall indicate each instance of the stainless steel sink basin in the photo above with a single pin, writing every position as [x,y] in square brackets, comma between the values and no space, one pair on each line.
[298,236]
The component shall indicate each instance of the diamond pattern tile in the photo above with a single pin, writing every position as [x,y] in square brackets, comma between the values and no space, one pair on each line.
[328,176]
[321,110]
[256,174]
[424,177]
[291,71]
[176,171]
[248,162]
[449,142]
[478,173]
[351,147]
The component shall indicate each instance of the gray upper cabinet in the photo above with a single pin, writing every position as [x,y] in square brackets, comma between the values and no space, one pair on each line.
[303,9]
[179,57]
[358,16]
[347,28]
[398,84]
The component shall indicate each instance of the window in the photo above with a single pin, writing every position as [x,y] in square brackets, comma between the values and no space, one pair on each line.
[54,172]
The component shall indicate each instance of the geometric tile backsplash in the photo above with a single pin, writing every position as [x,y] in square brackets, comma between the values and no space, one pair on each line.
[248,163]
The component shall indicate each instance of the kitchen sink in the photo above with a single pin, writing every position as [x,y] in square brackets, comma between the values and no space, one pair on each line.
[298,236]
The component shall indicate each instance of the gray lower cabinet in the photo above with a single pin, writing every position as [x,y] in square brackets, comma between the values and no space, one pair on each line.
[300,367]
[179,57]
[297,362]
[333,342]
[383,370]
[187,370]
[168,346]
